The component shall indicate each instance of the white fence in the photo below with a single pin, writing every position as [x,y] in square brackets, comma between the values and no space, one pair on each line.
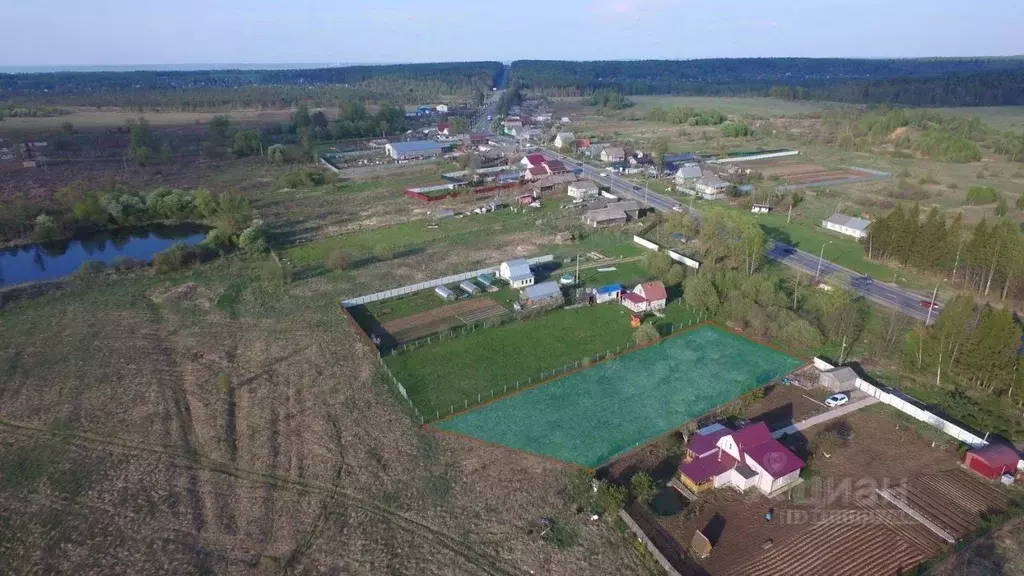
[684,260]
[394,292]
[608,195]
[646,243]
[329,166]
[911,406]
[755,157]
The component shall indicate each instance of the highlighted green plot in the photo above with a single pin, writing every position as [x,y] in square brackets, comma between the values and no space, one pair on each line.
[593,415]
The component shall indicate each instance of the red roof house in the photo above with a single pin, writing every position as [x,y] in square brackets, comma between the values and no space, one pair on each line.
[746,458]
[443,128]
[992,461]
[533,160]
[655,294]
[634,302]
[557,167]
[536,172]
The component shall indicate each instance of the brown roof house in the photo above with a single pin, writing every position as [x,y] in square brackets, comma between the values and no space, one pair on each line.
[612,214]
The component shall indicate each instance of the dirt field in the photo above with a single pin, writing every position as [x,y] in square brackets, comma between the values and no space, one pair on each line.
[93,119]
[433,321]
[214,423]
[835,523]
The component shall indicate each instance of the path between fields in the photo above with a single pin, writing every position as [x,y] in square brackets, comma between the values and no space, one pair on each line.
[820,418]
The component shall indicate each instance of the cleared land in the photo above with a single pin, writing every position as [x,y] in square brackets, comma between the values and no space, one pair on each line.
[443,376]
[422,324]
[596,413]
[835,522]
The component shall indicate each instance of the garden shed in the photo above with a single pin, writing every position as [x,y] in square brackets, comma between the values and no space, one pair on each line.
[993,461]
[841,379]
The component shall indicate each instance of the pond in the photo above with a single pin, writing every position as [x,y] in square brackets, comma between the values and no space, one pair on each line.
[52,260]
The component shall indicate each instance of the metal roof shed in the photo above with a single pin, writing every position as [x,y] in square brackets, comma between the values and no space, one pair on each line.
[542,291]
[485,279]
[468,287]
[444,293]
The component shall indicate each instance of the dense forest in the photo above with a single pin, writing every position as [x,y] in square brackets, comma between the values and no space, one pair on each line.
[915,82]
[218,89]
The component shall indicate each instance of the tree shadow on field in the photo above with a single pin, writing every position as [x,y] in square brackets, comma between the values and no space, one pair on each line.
[714,529]
[544,270]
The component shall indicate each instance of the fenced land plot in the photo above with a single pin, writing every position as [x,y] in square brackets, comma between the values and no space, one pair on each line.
[592,415]
[450,374]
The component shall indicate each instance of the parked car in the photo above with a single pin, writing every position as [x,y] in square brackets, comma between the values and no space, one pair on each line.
[836,400]
[604,174]
[926,304]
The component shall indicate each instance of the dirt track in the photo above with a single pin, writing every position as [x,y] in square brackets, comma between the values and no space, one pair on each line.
[423,324]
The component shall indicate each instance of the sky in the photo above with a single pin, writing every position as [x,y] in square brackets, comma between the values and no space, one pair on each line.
[122,32]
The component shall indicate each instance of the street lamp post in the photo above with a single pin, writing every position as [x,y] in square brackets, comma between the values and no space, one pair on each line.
[821,258]
[931,304]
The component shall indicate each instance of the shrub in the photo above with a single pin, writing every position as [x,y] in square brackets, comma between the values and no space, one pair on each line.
[981,195]
[91,268]
[178,257]
[46,228]
[217,238]
[641,487]
[252,240]
[561,534]
[610,498]
[127,263]
[646,334]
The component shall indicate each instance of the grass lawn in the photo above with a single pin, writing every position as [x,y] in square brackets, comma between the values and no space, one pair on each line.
[595,414]
[453,372]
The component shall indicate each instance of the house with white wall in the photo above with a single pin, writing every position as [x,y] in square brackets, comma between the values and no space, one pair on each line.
[516,272]
[847,225]
[718,456]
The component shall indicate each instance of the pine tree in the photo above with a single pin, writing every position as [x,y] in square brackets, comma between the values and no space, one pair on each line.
[931,241]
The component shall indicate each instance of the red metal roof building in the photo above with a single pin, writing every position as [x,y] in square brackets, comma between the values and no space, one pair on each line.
[992,461]
[533,160]
[744,458]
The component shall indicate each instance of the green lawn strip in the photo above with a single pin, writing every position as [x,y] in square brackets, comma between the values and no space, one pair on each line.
[593,415]
[452,372]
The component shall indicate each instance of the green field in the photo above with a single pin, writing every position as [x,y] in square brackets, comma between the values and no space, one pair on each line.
[596,414]
[735,105]
[452,373]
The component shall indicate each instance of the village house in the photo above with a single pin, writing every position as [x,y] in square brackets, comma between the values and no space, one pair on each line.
[612,214]
[848,225]
[718,456]
[533,160]
[584,189]
[564,139]
[613,154]
[711,187]
[760,208]
[548,184]
[646,297]
[993,461]
[442,108]
[687,175]
[516,272]
[443,128]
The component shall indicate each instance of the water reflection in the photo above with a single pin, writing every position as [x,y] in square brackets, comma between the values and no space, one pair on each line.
[51,260]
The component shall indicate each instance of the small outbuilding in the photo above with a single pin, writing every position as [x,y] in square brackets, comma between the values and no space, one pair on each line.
[654,293]
[469,288]
[545,293]
[609,293]
[444,293]
[993,461]
[841,379]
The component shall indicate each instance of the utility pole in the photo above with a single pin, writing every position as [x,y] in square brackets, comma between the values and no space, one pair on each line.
[821,258]
[931,305]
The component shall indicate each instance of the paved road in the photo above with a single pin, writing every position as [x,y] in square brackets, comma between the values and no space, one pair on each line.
[882,293]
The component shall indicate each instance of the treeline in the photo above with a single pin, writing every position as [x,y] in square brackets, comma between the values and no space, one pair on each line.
[608,100]
[979,347]
[217,89]
[686,115]
[987,260]
[916,82]
[509,98]
[73,210]
[940,137]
